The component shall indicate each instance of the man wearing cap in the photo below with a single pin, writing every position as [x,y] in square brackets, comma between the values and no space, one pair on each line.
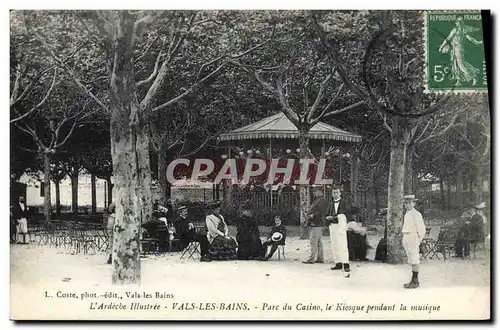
[187,233]
[316,215]
[413,233]
[339,214]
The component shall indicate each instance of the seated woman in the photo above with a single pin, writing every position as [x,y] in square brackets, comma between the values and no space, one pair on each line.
[157,229]
[357,243]
[248,236]
[222,247]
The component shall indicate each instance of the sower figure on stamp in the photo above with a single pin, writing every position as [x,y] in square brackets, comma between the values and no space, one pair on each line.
[338,213]
[317,215]
[413,234]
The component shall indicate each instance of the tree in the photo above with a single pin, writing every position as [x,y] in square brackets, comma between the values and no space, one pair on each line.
[392,77]
[304,84]
[462,152]
[131,104]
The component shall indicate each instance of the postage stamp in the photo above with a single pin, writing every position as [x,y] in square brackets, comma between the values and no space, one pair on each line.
[454,46]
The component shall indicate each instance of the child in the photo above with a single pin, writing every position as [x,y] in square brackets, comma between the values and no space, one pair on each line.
[275,238]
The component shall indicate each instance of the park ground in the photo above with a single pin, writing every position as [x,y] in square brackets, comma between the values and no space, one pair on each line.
[460,287]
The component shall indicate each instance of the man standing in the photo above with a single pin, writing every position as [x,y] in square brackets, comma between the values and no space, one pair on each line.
[413,233]
[317,214]
[477,224]
[187,233]
[338,213]
[20,212]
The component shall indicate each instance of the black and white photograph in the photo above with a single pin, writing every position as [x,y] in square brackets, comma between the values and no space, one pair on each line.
[227,164]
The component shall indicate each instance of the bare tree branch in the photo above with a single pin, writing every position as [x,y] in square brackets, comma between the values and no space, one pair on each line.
[386,125]
[319,97]
[287,110]
[189,90]
[15,88]
[155,70]
[36,107]
[349,107]
[264,84]
[69,71]
[57,145]
[442,132]
[368,96]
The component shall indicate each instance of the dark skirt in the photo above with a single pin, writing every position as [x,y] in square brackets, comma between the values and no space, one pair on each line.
[357,245]
[249,249]
[223,248]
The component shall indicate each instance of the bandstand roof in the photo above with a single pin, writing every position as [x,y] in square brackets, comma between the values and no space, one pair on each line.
[278,126]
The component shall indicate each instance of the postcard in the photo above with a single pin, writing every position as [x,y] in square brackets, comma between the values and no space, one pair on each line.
[250,165]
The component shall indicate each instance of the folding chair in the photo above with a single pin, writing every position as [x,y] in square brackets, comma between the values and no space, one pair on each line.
[429,244]
[193,249]
[475,247]
[149,246]
[281,251]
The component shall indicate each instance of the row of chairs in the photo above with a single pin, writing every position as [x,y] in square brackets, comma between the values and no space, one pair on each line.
[437,242]
[75,236]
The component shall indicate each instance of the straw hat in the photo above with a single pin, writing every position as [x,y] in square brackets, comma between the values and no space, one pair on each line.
[410,198]
[277,237]
[481,206]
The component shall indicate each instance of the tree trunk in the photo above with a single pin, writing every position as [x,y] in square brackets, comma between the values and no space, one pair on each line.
[441,195]
[478,180]
[109,185]
[165,186]
[395,212]
[354,176]
[46,185]
[144,169]
[304,189]
[377,200]
[376,191]
[459,185]
[58,197]
[408,174]
[74,192]
[93,194]
[449,204]
[127,141]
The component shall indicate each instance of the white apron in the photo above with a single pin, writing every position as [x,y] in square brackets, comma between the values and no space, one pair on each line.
[22,226]
[338,240]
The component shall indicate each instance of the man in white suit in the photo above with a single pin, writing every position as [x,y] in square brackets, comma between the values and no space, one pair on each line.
[413,234]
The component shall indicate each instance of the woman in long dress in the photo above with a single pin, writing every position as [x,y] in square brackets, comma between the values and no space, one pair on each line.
[248,237]
[454,44]
[222,246]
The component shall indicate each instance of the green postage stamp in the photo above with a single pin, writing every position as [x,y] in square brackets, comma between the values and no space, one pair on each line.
[454,52]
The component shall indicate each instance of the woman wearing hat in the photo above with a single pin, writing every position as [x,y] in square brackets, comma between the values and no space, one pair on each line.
[248,236]
[222,246]
[413,234]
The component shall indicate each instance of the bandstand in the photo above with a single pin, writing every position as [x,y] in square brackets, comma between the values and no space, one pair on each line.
[277,137]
